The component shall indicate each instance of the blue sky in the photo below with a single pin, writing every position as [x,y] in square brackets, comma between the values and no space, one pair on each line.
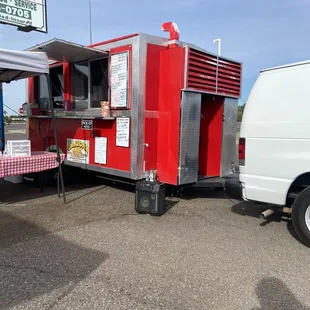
[258,33]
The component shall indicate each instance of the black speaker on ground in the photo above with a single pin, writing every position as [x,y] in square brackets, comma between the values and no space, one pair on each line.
[150,198]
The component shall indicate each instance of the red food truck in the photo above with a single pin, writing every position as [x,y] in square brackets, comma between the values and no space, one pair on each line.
[139,105]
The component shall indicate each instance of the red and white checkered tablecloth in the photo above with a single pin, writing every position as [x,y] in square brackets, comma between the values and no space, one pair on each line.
[38,161]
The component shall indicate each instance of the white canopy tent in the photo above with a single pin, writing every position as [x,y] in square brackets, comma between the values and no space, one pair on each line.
[16,65]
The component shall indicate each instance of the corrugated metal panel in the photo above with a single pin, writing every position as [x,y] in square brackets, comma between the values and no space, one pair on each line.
[207,73]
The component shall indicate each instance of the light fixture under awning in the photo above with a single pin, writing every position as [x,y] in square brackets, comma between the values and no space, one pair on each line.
[64,51]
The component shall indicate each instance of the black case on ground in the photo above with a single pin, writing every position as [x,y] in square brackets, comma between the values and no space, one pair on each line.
[150,198]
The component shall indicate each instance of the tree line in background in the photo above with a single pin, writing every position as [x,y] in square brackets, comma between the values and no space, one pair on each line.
[8,119]
[240,112]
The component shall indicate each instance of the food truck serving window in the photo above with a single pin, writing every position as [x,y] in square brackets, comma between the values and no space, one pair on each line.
[57,87]
[88,87]
[80,78]
[99,82]
[90,83]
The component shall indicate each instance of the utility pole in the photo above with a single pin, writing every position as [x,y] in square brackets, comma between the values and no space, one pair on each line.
[2,142]
[90,23]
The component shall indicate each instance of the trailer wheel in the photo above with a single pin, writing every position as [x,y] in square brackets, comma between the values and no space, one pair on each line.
[301,216]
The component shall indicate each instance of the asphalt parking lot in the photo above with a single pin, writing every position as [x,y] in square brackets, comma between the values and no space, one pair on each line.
[96,252]
[15,131]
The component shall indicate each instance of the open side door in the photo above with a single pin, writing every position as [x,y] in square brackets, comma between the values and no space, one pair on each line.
[64,51]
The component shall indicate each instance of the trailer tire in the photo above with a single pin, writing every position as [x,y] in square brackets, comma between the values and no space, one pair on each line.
[301,216]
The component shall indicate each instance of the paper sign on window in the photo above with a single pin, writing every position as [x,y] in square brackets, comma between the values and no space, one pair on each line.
[122,131]
[101,150]
[119,80]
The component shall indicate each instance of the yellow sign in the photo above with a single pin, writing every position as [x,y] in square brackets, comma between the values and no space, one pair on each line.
[78,151]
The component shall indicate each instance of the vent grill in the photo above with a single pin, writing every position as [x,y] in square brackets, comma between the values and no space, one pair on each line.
[203,74]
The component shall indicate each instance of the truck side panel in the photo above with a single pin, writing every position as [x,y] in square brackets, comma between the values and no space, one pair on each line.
[42,136]
[276,127]
[170,85]
[151,105]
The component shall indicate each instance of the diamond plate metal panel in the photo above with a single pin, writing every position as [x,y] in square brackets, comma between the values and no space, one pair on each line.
[138,106]
[229,137]
[189,138]
[135,107]
[141,106]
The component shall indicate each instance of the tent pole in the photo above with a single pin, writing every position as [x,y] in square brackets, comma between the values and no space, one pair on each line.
[56,137]
[2,141]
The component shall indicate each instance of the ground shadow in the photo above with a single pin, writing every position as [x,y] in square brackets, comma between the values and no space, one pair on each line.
[8,193]
[170,202]
[34,262]
[255,209]
[188,193]
[248,209]
[273,294]
[75,180]
[79,196]
[130,188]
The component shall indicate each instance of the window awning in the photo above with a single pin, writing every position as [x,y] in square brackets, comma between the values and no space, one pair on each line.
[64,51]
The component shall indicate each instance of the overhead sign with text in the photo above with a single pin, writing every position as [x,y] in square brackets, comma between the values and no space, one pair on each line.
[24,13]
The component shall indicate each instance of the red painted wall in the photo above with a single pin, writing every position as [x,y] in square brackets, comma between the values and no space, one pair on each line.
[117,157]
[151,105]
[67,85]
[211,127]
[32,89]
[170,85]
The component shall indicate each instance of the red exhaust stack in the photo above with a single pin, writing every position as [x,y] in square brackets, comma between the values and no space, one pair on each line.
[174,32]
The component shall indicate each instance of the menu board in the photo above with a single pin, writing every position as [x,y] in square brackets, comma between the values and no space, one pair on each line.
[101,150]
[122,131]
[119,80]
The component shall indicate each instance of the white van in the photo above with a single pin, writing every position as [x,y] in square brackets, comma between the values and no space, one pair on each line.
[274,146]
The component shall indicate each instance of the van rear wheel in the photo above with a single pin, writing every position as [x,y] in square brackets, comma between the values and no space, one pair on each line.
[301,216]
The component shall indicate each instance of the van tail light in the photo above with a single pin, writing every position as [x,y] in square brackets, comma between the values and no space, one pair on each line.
[242,151]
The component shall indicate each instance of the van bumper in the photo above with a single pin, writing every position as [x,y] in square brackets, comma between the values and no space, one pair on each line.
[233,188]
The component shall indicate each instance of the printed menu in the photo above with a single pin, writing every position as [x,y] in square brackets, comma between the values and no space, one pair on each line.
[101,150]
[122,131]
[119,80]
